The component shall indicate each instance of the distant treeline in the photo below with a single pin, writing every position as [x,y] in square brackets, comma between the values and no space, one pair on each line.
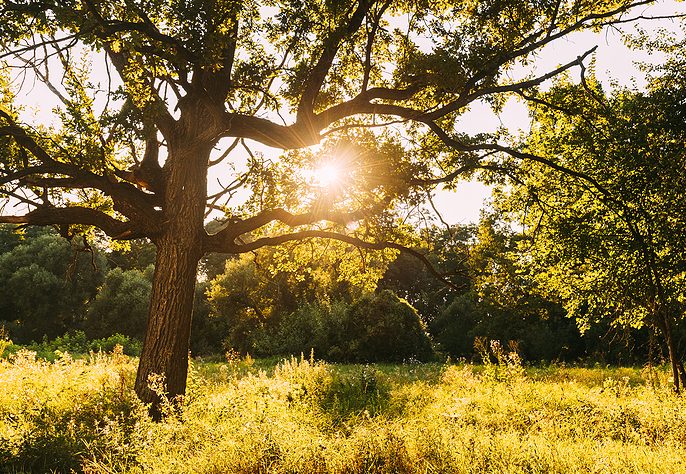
[343,312]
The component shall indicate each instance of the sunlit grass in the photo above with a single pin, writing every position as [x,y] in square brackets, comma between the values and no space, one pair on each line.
[250,416]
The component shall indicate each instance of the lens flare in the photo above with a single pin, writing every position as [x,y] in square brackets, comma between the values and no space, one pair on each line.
[327,175]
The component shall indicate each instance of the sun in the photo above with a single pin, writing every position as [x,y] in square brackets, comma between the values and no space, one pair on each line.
[327,175]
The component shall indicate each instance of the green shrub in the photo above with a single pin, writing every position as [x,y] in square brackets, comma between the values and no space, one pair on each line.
[131,347]
[209,330]
[363,390]
[383,327]
[548,338]
[377,327]
[5,340]
[74,342]
[121,305]
[312,327]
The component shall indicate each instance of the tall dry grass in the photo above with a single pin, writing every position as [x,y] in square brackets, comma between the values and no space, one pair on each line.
[310,417]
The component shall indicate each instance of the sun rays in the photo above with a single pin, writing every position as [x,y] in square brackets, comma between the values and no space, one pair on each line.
[327,175]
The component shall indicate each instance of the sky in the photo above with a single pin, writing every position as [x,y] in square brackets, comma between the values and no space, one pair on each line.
[614,63]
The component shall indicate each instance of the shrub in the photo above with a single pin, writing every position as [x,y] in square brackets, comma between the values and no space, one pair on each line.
[209,330]
[74,342]
[383,327]
[312,327]
[131,347]
[552,337]
[363,390]
[377,327]
[121,305]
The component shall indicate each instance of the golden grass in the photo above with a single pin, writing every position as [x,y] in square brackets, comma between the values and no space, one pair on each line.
[311,417]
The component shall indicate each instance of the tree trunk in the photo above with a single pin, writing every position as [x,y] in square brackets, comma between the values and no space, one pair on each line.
[165,348]
[678,373]
[179,249]
[671,350]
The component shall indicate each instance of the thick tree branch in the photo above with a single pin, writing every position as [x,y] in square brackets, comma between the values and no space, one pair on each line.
[217,83]
[306,133]
[233,230]
[318,73]
[355,241]
[307,129]
[79,216]
[128,200]
[530,44]
[302,134]
[453,175]
[466,99]
[371,35]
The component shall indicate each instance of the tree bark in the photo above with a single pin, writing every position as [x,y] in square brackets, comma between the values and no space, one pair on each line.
[678,373]
[165,348]
[179,249]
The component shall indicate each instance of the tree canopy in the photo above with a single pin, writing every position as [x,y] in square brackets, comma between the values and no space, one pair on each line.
[608,239]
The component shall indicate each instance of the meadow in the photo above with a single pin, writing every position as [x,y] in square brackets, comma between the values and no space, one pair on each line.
[303,416]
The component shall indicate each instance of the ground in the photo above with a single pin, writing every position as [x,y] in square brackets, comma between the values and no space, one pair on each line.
[299,415]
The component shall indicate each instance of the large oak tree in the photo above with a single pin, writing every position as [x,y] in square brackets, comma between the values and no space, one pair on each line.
[377,86]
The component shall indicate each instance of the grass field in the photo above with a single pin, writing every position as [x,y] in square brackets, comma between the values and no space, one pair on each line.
[296,416]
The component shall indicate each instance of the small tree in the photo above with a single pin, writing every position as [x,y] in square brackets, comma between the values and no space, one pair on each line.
[607,236]
[383,327]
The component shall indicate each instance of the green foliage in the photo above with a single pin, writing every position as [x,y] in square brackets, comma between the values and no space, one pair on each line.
[375,327]
[382,327]
[134,254]
[208,332]
[539,339]
[129,346]
[311,327]
[5,341]
[607,240]
[121,304]
[287,290]
[362,391]
[448,251]
[45,282]
[59,418]
[76,343]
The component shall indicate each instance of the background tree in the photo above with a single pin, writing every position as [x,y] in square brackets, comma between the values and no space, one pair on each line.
[121,305]
[45,283]
[607,236]
[501,302]
[448,252]
[352,76]
[383,327]
[260,295]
